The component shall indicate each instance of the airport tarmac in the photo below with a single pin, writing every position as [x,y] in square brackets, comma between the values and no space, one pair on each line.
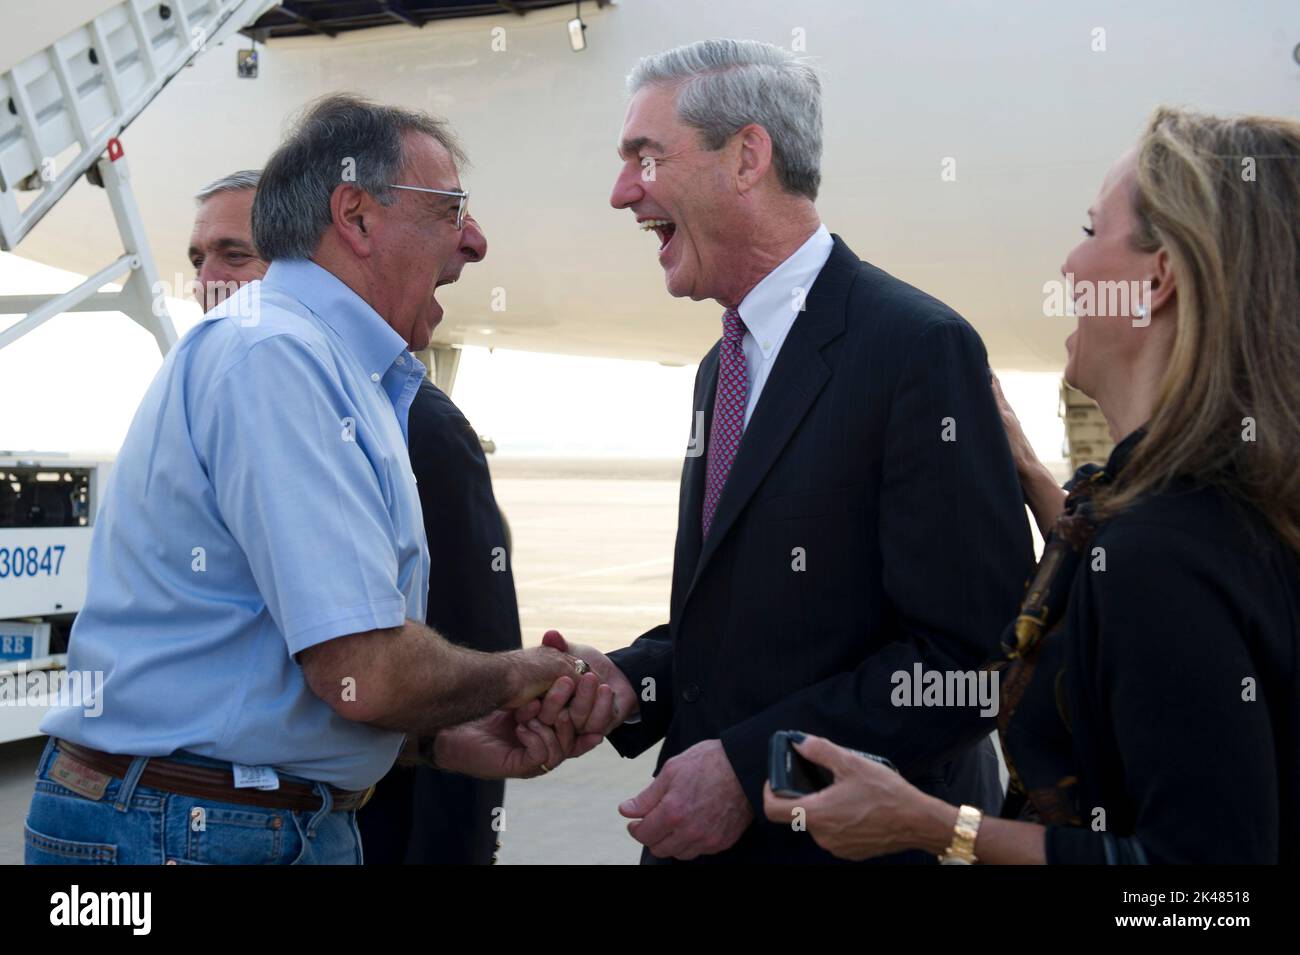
[593,558]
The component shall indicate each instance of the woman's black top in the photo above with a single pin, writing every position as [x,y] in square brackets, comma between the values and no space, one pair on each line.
[1162,721]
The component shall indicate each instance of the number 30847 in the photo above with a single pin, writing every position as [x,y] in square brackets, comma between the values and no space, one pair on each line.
[31,561]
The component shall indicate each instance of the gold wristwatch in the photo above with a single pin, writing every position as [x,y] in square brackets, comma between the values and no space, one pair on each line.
[962,850]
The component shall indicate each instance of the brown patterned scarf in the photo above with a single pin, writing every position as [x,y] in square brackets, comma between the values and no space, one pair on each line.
[1037,745]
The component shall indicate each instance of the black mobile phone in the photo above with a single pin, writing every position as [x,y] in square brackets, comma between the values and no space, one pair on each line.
[790,775]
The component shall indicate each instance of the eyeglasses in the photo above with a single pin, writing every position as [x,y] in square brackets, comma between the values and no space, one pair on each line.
[454,193]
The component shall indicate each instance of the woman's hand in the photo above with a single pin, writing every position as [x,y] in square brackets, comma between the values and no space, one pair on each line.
[1044,496]
[869,809]
[1022,452]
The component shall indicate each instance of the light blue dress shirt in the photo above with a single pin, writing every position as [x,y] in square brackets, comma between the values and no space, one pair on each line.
[262,503]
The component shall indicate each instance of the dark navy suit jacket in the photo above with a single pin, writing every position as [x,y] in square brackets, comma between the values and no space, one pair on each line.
[420,815]
[913,548]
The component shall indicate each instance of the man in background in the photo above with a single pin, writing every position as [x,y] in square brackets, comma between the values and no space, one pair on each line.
[221,245]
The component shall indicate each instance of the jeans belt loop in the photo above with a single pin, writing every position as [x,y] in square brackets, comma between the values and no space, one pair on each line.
[327,806]
[129,782]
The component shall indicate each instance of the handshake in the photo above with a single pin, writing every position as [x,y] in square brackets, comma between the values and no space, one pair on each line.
[558,712]
[694,806]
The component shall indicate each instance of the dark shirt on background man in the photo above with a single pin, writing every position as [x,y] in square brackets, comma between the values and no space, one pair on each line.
[419,815]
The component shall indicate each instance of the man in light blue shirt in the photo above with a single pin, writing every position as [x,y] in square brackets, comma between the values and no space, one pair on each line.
[259,570]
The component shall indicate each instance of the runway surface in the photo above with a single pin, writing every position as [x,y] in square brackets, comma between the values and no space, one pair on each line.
[593,547]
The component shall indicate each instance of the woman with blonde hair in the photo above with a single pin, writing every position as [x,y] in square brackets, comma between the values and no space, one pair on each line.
[1150,690]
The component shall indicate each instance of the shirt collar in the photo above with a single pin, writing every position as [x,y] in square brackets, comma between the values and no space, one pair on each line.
[1119,456]
[371,339]
[772,305]
[1124,450]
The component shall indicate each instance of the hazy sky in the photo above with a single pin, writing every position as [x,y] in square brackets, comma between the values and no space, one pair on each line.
[74,383]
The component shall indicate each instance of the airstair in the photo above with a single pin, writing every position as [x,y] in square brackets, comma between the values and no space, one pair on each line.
[62,111]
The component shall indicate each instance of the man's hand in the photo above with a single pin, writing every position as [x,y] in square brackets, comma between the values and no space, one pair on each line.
[534,671]
[508,744]
[694,807]
[573,708]
[595,707]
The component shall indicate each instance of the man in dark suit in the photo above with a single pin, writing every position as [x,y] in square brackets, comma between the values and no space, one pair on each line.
[854,509]
[420,815]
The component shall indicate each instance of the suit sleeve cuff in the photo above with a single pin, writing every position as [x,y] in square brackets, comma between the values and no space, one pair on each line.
[747,753]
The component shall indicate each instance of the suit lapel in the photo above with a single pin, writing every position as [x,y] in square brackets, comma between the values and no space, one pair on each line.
[797,378]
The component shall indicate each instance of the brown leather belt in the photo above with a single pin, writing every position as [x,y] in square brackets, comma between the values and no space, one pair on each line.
[207,783]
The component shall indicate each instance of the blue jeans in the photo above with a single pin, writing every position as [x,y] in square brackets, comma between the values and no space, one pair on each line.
[132,824]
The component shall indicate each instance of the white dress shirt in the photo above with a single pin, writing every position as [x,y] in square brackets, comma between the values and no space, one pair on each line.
[770,308]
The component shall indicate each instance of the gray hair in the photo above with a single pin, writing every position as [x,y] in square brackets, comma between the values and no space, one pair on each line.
[340,138]
[235,182]
[724,85]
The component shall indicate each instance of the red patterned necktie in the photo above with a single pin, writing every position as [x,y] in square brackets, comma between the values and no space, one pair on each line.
[728,412]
